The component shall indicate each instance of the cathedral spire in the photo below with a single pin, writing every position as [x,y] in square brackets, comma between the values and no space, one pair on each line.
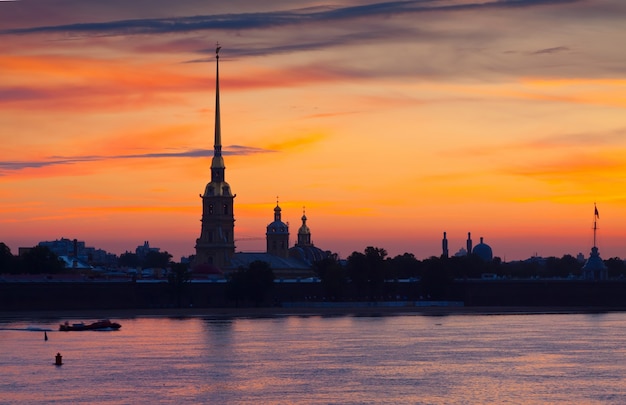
[217,164]
[218,130]
[216,244]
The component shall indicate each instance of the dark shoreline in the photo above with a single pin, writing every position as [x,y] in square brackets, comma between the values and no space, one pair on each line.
[107,300]
[269,312]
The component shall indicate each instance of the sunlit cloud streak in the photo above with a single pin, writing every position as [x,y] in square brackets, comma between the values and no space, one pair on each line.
[68,160]
[578,169]
[74,83]
[319,42]
[598,139]
[247,21]
[555,49]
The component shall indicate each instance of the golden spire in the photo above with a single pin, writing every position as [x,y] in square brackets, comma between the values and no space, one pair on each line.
[218,129]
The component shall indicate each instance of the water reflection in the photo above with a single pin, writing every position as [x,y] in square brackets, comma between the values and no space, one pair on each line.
[319,360]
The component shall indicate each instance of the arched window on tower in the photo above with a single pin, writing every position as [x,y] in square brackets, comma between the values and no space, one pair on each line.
[211,209]
[225,209]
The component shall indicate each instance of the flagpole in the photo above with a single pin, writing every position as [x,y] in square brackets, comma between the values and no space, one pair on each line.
[595,222]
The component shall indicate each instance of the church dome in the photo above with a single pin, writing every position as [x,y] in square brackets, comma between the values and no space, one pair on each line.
[483,251]
[277,226]
[308,254]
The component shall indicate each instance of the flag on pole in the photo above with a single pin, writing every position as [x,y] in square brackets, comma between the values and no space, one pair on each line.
[595,209]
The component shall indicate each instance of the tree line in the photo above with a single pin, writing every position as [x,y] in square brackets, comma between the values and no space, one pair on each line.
[374,265]
[37,260]
[370,271]
[367,274]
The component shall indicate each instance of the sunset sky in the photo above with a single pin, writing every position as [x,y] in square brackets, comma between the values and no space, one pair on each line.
[391,122]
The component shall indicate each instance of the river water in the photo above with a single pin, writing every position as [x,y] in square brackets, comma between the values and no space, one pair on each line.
[402,359]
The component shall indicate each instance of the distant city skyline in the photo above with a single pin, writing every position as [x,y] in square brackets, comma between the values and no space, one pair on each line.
[392,122]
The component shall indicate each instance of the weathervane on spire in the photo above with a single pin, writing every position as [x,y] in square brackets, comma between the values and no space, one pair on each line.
[217,50]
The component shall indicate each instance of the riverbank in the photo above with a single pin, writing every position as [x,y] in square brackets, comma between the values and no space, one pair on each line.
[301,311]
[471,296]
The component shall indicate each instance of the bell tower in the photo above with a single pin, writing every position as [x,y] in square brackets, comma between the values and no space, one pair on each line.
[277,235]
[216,244]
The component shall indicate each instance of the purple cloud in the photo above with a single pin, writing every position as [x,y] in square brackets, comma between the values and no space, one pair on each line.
[68,160]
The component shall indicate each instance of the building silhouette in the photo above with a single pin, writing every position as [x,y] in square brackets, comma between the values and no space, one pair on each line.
[481,250]
[594,268]
[216,244]
[142,251]
[304,249]
[215,248]
[77,253]
[286,263]
[277,235]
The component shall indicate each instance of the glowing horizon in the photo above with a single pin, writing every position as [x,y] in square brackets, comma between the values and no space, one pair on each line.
[391,122]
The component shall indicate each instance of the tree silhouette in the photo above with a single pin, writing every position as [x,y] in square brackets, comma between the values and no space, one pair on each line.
[367,269]
[252,283]
[333,277]
[260,280]
[436,277]
[8,264]
[356,268]
[404,266]
[616,267]
[375,268]
[156,260]
[179,278]
[128,259]
[40,260]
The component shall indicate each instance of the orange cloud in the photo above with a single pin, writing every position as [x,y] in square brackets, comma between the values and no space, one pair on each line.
[608,92]
[129,209]
[296,141]
[579,167]
[53,82]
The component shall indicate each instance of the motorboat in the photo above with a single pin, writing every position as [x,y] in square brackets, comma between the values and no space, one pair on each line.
[103,324]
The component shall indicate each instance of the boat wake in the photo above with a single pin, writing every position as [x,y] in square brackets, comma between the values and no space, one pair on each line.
[30,329]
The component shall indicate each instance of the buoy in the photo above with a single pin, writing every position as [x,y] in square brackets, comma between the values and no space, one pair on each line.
[58,359]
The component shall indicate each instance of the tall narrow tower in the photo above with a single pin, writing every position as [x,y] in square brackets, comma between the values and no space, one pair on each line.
[216,244]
